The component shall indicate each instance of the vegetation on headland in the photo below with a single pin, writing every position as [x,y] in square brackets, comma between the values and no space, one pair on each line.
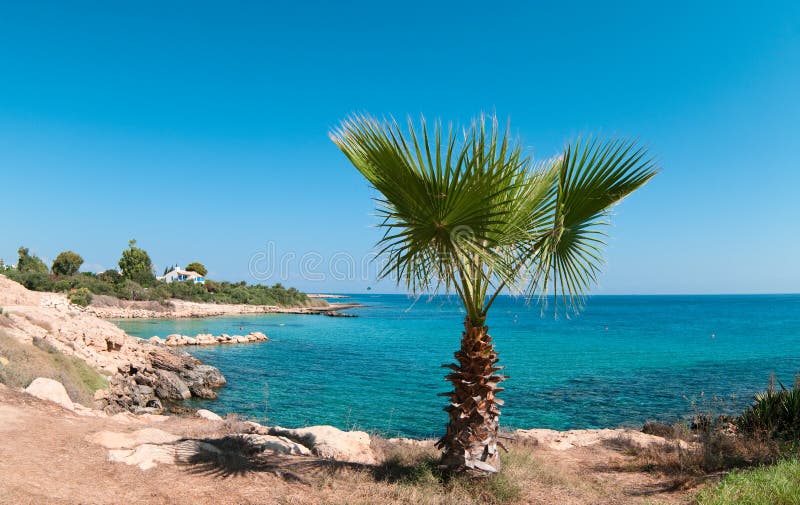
[469,211]
[136,281]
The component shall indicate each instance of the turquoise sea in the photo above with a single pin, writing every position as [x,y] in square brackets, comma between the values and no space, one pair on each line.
[622,361]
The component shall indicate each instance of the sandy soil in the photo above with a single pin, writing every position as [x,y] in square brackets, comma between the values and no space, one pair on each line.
[45,458]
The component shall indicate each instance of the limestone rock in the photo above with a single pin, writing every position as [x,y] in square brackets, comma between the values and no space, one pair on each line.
[207,414]
[145,456]
[276,444]
[171,387]
[331,443]
[52,390]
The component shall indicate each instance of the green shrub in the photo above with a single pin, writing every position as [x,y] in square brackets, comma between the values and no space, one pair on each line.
[80,296]
[35,281]
[30,263]
[775,413]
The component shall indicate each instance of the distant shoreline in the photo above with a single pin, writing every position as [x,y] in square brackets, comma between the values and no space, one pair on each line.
[106,307]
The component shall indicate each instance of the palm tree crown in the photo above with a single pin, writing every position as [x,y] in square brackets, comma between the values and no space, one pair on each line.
[472,213]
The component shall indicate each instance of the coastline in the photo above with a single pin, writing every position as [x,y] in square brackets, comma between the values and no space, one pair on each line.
[106,307]
[127,431]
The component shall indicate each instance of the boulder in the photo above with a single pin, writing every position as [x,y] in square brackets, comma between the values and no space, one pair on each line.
[171,387]
[207,414]
[145,456]
[331,443]
[52,390]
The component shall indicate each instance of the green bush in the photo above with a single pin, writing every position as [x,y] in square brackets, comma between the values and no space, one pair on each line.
[775,413]
[30,263]
[80,296]
[35,281]
[67,263]
[197,267]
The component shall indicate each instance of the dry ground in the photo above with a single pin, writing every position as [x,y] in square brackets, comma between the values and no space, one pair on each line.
[45,458]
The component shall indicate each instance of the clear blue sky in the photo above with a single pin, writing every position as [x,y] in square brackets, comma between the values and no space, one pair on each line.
[201,129]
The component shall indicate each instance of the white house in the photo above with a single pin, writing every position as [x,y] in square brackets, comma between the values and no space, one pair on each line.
[178,275]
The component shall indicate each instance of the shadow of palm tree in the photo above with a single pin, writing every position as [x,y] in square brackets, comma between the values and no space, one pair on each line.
[234,455]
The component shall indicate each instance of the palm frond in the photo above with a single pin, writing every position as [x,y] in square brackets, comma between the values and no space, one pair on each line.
[592,177]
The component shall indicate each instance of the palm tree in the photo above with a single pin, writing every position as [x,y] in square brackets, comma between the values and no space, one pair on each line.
[469,212]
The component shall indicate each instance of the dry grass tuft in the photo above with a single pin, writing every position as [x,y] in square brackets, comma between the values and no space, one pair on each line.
[409,473]
[706,454]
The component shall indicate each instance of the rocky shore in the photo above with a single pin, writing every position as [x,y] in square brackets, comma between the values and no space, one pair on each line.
[107,307]
[142,376]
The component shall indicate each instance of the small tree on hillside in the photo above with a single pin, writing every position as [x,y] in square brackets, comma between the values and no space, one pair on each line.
[67,263]
[30,263]
[197,267]
[136,265]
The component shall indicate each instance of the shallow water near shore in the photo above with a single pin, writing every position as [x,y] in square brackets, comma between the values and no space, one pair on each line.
[622,361]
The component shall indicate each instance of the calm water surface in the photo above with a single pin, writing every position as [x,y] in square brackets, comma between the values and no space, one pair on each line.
[624,360]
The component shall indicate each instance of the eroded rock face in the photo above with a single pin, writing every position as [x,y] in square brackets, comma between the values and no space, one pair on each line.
[331,443]
[166,376]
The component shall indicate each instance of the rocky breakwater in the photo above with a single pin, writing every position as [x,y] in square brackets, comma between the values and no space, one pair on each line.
[141,376]
[176,340]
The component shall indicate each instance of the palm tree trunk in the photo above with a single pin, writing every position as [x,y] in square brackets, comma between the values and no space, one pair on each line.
[470,444]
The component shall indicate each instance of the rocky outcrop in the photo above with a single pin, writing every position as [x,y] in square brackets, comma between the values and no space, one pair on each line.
[166,376]
[149,447]
[176,340]
[142,375]
[331,443]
